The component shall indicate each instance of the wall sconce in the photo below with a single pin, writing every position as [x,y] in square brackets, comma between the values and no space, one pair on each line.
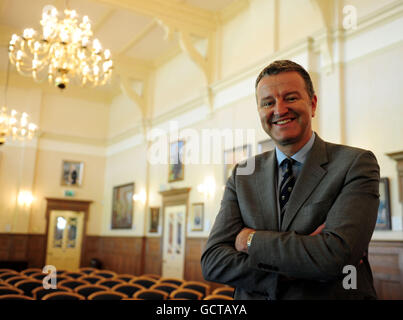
[25,198]
[141,196]
[207,187]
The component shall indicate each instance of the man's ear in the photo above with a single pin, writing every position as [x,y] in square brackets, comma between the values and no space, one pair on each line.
[314,102]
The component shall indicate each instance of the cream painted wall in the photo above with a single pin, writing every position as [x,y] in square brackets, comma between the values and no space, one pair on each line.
[63,115]
[121,168]
[297,20]
[48,174]
[123,115]
[374,112]
[176,82]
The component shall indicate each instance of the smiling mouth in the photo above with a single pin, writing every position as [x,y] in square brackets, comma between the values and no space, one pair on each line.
[283,121]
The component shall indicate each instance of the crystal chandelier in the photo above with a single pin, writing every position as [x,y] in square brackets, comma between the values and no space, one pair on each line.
[13,124]
[64,52]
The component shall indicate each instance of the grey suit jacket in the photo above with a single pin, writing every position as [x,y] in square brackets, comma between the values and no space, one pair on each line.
[339,186]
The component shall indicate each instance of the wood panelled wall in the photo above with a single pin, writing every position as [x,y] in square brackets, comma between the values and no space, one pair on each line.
[386,260]
[139,255]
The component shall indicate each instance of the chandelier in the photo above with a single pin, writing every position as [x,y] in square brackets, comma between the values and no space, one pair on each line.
[64,52]
[14,124]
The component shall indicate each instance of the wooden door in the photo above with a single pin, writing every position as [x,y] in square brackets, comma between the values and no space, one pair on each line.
[65,235]
[173,256]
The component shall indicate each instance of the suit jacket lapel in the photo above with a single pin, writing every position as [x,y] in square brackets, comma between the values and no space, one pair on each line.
[266,184]
[309,177]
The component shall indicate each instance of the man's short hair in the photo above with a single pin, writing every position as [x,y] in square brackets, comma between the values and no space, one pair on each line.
[280,66]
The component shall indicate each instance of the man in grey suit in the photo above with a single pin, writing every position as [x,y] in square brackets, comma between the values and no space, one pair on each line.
[300,224]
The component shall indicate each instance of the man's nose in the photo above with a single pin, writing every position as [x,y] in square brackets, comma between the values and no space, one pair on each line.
[280,108]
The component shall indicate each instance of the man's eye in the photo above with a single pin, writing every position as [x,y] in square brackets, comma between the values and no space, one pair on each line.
[291,99]
[267,104]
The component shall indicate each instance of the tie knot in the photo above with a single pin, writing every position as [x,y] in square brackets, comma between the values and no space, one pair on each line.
[288,162]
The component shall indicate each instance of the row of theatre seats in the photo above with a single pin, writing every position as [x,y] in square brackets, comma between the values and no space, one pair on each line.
[95,284]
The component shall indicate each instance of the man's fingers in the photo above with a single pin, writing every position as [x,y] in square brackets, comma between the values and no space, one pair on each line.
[318,230]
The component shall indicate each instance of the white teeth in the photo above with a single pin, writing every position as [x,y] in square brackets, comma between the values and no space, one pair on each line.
[283,121]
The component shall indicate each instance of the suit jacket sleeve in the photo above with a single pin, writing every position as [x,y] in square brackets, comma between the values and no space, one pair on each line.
[348,229]
[220,261]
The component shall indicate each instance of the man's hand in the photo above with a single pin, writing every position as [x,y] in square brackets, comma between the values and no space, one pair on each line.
[242,239]
[318,230]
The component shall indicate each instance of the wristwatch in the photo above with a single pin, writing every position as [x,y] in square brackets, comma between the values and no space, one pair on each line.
[249,241]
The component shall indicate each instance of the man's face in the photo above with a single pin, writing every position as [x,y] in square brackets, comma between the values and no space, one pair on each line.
[285,109]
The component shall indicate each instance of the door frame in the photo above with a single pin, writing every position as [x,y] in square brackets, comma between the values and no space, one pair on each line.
[174,197]
[67,205]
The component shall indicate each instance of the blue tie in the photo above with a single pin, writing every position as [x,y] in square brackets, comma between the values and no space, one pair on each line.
[286,186]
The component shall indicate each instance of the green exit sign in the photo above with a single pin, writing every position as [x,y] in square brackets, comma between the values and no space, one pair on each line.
[68,193]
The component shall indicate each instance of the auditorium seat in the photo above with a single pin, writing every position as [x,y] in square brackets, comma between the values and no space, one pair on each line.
[144,281]
[176,281]
[125,277]
[226,291]
[128,288]
[63,296]
[15,297]
[202,287]
[13,280]
[88,270]
[28,285]
[110,282]
[91,279]
[6,275]
[38,275]
[152,276]
[72,283]
[5,270]
[87,289]
[107,295]
[10,290]
[151,294]
[74,274]
[107,274]
[166,287]
[29,271]
[40,292]
[217,297]
[186,293]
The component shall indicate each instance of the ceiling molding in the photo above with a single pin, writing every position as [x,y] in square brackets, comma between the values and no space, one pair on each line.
[232,10]
[178,14]
[98,25]
[139,36]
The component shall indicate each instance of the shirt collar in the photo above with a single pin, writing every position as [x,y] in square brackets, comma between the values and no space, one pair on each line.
[302,153]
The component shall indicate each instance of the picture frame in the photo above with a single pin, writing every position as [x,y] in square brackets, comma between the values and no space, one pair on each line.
[197,217]
[384,220]
[72,173]
[122,206]
[154,220]
[265,145]
[234,156]
[176,167]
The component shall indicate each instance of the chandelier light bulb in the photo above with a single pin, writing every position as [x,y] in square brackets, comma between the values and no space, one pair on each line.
[63,52]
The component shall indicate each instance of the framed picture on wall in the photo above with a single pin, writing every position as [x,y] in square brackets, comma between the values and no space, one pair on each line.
[154,220]
[197,217]
[233,156]
[72,173]
[383,221]
[122,206]
[176,166]
[265,145]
